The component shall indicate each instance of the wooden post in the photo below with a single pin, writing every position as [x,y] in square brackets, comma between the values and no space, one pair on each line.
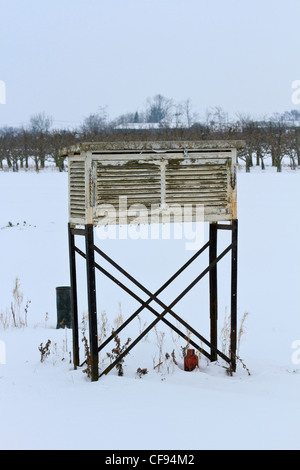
[234,255]
[92,306]
[213,290]
[74,307]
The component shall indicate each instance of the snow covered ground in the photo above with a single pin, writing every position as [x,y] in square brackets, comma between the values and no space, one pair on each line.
[50,406]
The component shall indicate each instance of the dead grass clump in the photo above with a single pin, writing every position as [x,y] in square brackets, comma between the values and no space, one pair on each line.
[16,315]
[45,350]
[117,351]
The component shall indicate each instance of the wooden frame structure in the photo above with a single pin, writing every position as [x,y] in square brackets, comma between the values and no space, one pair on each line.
[154,175]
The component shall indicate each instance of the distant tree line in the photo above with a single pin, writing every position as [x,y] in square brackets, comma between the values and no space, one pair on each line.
[277,137]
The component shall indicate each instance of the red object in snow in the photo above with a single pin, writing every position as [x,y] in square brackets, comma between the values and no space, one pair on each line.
[190,360]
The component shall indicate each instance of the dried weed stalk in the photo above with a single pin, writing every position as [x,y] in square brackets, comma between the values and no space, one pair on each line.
[16,315]
[140,372]
[87,355]
[117,351]
[45,350]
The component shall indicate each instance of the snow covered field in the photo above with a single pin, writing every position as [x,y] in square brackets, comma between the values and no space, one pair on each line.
[50,406]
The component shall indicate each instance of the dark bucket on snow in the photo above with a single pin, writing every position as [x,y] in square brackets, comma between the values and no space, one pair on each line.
[63,305]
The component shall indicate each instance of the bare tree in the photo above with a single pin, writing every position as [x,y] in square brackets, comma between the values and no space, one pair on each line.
[217,119]
[277,142]
[294,146]
[60,139]
[39,128]
[190,116]
[11,147]
[95,123]
[25,138]
[5,147]
[254,135]
[159,110]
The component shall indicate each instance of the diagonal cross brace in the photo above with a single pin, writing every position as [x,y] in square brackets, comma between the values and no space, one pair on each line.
[145,305]
[169,310]
[153,297]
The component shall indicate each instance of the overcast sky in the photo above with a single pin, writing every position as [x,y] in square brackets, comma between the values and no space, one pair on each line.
[69,57]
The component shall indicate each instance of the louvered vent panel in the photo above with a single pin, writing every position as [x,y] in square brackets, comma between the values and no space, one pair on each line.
[198,183]
[77,190]
[139,181]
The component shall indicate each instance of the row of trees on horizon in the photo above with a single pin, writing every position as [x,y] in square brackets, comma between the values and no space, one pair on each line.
[277,137]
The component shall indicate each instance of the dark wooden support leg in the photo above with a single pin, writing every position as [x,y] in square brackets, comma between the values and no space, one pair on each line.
[91,286]
[213,290]
[234,256]
[74,307]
